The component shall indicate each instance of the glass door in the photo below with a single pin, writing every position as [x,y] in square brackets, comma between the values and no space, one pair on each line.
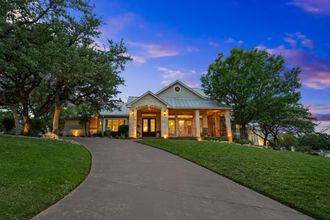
[149,127]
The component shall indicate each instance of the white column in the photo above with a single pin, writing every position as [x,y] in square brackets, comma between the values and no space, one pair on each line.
[103,125]
[228,126]
[197,126]
[164,123]
[176,126]
[205,125]
[132,123]
[217,124]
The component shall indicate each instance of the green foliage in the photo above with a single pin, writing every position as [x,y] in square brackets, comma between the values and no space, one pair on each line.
[38,126]
[260,90]
[315,141]
[7,124]
[242,141]
[123,130]
[287,140]
[49,57]
[295,179]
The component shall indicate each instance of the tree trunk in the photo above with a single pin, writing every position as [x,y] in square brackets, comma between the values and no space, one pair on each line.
[85,126]
[13,109]
[265,139]
[243,133]
[26,118]
[56,118]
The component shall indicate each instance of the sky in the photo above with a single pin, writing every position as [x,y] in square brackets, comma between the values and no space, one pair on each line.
[178,40]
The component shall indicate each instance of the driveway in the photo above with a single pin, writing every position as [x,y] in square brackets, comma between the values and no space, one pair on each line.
[133,181]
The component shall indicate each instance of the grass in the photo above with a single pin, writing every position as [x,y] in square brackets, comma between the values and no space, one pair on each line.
[35,173]
[295,179]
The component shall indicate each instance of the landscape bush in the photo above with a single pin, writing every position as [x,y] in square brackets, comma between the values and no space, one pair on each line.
[38,127]
[287,141]
[315,141]
[242,141]
[123,130]
[7,124]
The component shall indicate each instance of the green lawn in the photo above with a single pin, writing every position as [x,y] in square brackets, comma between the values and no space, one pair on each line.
[298,180]
[35,173]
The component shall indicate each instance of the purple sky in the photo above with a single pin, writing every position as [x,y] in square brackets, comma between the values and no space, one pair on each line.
[171,40]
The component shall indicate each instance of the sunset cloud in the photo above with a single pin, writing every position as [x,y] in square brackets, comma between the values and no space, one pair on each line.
[145,51]
[315,71]
[191,77]
[313,6]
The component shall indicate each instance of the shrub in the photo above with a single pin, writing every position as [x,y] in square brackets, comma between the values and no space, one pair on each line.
[315,141]
[38,127]
[123,130]
[242,141]
[287,141]
[7,124]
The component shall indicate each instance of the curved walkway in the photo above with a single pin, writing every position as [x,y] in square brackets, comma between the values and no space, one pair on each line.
[133,181]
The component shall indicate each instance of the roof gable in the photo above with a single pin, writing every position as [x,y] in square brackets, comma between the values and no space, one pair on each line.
[147,99]
[184,91]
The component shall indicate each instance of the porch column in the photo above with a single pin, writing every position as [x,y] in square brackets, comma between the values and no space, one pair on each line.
[228,126]
[132,123]
[103,125]
[217,124]
[205,125]
[197,126]
[176,126]
[164,123]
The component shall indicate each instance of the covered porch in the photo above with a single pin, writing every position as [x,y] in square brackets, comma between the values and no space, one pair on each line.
[154,121]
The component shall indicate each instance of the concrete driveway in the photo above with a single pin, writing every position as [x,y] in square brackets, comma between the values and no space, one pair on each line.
[132,181]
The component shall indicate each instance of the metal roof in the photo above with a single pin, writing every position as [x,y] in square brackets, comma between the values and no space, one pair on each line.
[200,102]
[121,111]
[193,103]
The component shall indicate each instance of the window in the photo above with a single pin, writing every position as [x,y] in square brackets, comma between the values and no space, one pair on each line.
[145,125]
[171,127]
[113,124]
[109,123]
[177,88]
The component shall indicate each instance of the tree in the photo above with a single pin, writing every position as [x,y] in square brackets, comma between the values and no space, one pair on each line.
[27,32]
[84,112]
[238,80]
[258,87]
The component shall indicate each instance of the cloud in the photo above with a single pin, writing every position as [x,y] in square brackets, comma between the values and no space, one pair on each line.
[315,71]
[322,114]
[191,49]
[145,51]
[297,38]
[191,77]
[213,44]
[313,6]
[117,24]
[231,40]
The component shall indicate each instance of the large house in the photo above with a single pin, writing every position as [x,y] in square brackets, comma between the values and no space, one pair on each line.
[175,111]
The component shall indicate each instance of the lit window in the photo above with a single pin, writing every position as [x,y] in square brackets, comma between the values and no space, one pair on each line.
[184,116]
[114,125]
[122,122]
[152,125]
[109,123]
[171,127]
[145,125]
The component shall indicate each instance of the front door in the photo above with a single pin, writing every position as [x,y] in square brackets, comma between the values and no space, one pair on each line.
[148,127]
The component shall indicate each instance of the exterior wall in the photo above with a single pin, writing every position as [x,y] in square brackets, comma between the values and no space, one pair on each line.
[74,128]
[184,93]
[148,100]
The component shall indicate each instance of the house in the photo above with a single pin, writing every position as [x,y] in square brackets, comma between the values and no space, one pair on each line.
[175,111]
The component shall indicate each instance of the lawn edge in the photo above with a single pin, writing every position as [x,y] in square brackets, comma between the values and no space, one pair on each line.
[313,215]
[81,182]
